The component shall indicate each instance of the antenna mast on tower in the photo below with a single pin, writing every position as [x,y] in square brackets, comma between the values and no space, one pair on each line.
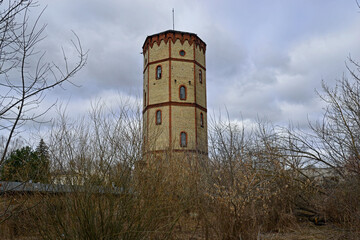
[173,19]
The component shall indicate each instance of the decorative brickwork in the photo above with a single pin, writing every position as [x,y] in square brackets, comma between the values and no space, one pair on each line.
[173,36]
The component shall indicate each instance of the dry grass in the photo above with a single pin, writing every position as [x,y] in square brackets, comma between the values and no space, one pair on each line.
[308,231]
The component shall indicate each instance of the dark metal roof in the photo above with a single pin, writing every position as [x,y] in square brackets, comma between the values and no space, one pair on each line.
[172,31]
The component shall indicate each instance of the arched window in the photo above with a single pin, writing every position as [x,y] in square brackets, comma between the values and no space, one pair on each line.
[158,72]
[158,117]
[200,76]
[201,119]
[182,93]
[183,139]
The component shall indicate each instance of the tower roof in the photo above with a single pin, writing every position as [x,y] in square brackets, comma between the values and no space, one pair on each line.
[173,35]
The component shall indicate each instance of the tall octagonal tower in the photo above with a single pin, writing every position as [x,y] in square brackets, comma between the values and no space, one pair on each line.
[174,96]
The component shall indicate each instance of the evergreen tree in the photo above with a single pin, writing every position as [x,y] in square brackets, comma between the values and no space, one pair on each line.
[43,164]
[24,164]
[43,151]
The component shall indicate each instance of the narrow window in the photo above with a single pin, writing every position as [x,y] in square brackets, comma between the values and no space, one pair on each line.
[158,117]
[183,139]
[200,76]
[144,99]
[201,119]
[182,93]
[158,72]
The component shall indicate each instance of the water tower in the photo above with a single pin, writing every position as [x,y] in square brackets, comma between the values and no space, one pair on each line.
[174,95]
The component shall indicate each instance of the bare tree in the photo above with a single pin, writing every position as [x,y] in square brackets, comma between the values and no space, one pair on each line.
[330,149]
[25,76]
[334,142]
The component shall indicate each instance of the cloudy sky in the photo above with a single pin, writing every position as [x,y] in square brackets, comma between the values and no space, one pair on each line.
[264,58]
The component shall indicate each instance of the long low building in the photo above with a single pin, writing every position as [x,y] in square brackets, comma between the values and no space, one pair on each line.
[29,187]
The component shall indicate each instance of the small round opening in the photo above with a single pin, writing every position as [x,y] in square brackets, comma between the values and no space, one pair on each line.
[182,53]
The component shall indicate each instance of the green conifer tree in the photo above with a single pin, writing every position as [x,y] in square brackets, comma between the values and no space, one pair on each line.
[24,165]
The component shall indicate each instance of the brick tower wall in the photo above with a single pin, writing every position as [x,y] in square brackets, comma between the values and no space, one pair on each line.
[177,115]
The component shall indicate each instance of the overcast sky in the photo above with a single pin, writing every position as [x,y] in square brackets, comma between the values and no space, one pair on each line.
[264,58]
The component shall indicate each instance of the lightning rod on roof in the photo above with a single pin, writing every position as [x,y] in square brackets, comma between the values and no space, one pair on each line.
[173,19]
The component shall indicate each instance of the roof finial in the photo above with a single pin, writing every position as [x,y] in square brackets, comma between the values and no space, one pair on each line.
[173,19]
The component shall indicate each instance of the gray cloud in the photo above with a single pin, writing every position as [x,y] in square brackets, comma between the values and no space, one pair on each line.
[262,59]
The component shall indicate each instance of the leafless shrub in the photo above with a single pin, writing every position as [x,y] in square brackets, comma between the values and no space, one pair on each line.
[250,188]
[332,144]
[97,158]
